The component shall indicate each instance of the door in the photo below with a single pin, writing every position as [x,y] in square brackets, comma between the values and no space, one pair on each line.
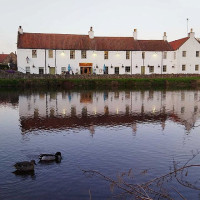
[142,69]
[52,70]
[106,70]
[41,70]
[116,70]
[86,70]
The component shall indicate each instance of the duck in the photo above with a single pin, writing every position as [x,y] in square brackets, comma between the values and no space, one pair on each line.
[50,157]
[25,166]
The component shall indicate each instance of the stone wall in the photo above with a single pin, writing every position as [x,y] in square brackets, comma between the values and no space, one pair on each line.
[9,74]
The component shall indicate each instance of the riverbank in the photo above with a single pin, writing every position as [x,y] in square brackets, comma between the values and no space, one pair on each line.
[47,81]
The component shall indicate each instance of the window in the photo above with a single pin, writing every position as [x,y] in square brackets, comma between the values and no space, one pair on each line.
[127,69]
[41,70]
[174,55]
[151,69]
[143,55]
[183,67]
[106,70]
[182,110]
[28,70]
[196,67]
[116,70]
[72,54]
[63,70]
[183,53]
[34,53]
[105,55]
[164,68]
[83,54]
[197,53]
[127,55]
[50,53]
[165,55]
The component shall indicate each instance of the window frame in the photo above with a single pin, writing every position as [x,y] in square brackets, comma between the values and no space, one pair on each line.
[34,53]
[72,54]
[127,55]
[50,55]
[128,69]
[106,55]
[184,67]
[184,54]
[196,67]
[83,54]
[151,69]
[164,68]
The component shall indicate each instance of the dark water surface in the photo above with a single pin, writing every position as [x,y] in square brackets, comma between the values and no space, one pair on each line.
[108,131]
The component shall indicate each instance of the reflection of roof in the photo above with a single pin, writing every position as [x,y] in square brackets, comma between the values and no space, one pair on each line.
[83,42]
[178,43]
[31,123]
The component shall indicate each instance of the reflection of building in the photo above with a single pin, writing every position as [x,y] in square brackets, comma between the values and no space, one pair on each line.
[55,110]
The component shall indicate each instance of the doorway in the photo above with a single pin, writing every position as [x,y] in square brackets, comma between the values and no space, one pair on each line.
[52,70]
[142,69]
[116,70]
[86,70]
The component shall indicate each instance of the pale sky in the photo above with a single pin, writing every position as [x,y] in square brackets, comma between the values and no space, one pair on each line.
[108,18]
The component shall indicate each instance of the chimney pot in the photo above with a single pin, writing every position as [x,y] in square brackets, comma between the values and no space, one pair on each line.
[20,30]
[91,33]
[135,34]
[165,36]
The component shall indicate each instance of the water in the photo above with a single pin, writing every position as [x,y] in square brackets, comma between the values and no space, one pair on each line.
[108,131]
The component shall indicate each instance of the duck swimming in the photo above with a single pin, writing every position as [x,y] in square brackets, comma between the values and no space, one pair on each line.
[50,157]
[25,166]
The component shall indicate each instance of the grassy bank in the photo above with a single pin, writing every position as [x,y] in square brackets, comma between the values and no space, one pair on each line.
[120,83]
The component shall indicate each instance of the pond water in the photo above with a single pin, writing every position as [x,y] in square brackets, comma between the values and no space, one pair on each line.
[108,131]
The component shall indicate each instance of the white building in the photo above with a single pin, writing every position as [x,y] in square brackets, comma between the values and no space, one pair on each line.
[85,54]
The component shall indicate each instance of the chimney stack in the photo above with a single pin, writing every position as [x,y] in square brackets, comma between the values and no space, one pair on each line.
[191,34]
[20,30]
[165,36]
[135,34]
[91,33]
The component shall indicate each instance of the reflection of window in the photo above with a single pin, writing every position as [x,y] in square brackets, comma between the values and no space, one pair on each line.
[182,96]
[84,111]
[52,112]
[73,111]
[127,95]
[50,53]
[127,109]
[195,96]
[83,54]
[36,113]
[195,109]
[106,110]
[72,54]
[127,69]
[182,110]
[150,94]
[116,95]
[34,53]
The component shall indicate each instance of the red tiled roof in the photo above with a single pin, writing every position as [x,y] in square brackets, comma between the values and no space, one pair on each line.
[3,57]
[178,43]
[83,42]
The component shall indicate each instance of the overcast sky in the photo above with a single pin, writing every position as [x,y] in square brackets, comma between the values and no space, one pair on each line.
[108,17]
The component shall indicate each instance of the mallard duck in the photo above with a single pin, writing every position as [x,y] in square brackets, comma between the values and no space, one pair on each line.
[25,166]
[51,157]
